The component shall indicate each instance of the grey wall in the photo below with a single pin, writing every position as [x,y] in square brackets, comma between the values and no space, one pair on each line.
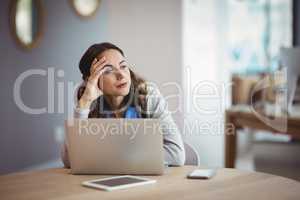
[29,140]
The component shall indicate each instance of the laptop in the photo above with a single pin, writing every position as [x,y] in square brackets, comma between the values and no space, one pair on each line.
[115,146]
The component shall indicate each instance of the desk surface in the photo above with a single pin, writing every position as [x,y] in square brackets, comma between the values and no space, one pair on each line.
[243,116]
[227,184]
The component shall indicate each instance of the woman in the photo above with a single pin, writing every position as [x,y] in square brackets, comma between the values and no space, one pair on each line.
[112,89]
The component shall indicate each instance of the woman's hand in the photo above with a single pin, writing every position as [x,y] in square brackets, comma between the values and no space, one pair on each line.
[92,90]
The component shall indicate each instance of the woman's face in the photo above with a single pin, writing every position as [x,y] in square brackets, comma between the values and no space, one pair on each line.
[115,80]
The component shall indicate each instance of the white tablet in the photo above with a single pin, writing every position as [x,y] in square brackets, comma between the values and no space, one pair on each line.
[117,182]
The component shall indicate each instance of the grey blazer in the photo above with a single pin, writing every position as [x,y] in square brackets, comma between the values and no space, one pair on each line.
[174,153]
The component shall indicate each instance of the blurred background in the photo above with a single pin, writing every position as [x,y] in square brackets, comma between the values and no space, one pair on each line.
[216,50]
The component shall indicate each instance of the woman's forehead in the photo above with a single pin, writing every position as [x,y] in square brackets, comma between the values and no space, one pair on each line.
[112,55]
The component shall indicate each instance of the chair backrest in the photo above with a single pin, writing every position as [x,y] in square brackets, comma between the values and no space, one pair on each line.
[191,155]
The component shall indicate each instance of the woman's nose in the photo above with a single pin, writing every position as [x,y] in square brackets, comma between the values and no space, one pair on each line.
[119,75]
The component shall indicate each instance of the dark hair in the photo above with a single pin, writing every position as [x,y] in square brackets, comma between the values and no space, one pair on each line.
[138,85]
[91,53]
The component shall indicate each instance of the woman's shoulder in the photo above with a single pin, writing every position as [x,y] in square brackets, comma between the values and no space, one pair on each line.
[155,100]
[152,89]
[153,93]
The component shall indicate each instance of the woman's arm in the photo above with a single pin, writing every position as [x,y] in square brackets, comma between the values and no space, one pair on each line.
[173,144]
[90,92]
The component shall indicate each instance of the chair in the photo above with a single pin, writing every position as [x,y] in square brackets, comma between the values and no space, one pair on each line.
[289,59]
[191,155]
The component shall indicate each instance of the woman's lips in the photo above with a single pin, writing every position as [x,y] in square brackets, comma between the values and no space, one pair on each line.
[122,85]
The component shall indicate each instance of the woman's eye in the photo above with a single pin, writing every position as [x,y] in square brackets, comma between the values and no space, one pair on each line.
[107,70]
[124,66]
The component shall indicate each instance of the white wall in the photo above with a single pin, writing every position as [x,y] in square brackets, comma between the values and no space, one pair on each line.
[165,39]
[150,33]
[162,39]
[206,76]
